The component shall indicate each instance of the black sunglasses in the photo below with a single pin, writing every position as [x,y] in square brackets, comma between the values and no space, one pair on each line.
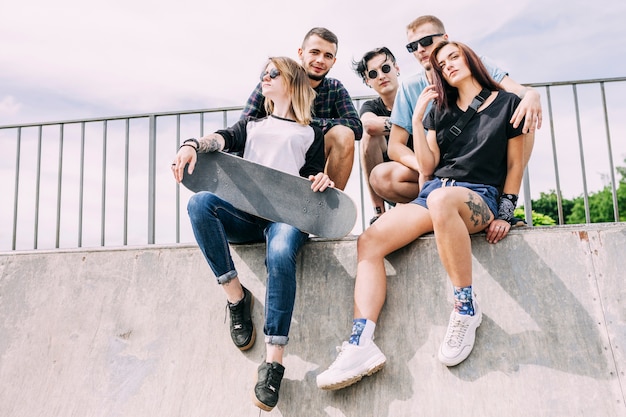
[273,73]
[373,74]
[425,41]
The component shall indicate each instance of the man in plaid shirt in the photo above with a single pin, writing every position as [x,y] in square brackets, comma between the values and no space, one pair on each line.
[333,109]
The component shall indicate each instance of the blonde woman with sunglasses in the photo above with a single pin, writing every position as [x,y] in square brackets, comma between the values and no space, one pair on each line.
[284,140]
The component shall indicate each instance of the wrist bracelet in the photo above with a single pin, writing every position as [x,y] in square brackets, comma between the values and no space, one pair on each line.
[188,144]
[194,141]
[506,207]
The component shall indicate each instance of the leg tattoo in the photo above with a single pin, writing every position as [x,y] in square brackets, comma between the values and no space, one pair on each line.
[480,212]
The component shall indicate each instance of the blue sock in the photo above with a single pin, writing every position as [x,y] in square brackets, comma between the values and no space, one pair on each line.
[357,329]
[463,303]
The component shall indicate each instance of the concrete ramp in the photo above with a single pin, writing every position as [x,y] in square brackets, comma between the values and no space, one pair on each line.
[141,332]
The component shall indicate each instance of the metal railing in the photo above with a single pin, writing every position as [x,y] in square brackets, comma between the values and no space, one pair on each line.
[106,181]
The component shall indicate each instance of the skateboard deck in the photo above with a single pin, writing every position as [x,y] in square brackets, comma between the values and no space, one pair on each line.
[273,195]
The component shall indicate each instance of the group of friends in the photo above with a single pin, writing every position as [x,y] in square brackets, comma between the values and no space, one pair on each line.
[444,151]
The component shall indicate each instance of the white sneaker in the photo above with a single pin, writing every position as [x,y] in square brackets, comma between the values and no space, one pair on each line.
[352,364]
[459,340]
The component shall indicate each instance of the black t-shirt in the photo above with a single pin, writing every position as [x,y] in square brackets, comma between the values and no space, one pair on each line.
[478,155]
[377,107]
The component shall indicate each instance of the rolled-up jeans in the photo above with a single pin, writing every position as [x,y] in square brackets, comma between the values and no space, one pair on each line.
[215,223]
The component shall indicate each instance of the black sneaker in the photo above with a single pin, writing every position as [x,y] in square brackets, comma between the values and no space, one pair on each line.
[241,326]
[266,389]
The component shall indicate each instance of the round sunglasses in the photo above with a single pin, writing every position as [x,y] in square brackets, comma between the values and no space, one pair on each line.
[373,74]
[425,41]
[273,73]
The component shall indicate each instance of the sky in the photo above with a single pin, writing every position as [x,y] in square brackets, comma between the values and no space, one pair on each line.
[71,59]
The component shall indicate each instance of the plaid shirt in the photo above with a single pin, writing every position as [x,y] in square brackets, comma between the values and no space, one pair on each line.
[333,106]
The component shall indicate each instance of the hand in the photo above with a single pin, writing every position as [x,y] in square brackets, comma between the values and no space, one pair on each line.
[321,182]
[429,93]
[528,109]
[186,155]
[497,230]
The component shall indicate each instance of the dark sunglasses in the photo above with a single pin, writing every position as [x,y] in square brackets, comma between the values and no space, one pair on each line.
[373,74]
[273,73]
[425,41]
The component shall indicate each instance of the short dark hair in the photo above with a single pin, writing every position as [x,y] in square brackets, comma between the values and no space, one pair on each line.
[323,33]
[360,67]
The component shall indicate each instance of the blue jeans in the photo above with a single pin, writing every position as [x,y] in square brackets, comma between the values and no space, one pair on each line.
[216,223]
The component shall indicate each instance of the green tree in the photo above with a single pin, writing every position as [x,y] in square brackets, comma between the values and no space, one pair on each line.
[547,205]
[601,204]
[539,219]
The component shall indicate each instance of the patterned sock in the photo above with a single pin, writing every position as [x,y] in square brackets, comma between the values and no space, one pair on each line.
[463,303]
[357,329]
[362,332]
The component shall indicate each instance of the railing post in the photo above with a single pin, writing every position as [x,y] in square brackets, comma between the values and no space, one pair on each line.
[103,190]
[555,162]
[37,187]
[528,204]
[610,151]
[81,187]
[177,185]
[151,179]
[126,174]
[581,153]
[59,186]
[18,150]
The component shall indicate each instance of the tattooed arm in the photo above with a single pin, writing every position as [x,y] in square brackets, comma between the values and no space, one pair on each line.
[211,143]
[188,153]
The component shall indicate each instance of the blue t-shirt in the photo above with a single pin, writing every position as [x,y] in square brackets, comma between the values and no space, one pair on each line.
[411,88]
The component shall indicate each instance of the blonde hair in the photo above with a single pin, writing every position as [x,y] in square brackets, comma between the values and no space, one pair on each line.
[422,20]
[299,87]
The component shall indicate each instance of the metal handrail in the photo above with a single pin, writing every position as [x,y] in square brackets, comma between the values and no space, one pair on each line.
[151,130]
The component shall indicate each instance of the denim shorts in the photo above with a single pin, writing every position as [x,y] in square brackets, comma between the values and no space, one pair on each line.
[488,193]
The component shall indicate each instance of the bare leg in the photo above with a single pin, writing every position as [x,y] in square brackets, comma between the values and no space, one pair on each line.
[373,148]
[456,213]
[339,150]
[395,182]
[234,291]
[274,353]
[396,229]
[359,356]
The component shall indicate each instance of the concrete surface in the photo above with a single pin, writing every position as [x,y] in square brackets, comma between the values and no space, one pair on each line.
[141,331]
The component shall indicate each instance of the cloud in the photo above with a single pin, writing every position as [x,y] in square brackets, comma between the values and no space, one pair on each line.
[124,57]
[9,107]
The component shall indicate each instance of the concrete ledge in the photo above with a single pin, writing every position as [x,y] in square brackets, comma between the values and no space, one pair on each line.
[141,331]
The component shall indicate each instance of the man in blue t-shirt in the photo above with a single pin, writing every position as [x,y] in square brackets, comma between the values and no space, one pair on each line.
[423,33]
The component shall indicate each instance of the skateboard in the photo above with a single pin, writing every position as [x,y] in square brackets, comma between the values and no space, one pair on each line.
[273,195]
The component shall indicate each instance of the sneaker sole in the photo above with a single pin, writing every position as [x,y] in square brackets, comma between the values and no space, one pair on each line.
[458,359]
[259,404]
[253,338]
[255,400]
[353,380]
